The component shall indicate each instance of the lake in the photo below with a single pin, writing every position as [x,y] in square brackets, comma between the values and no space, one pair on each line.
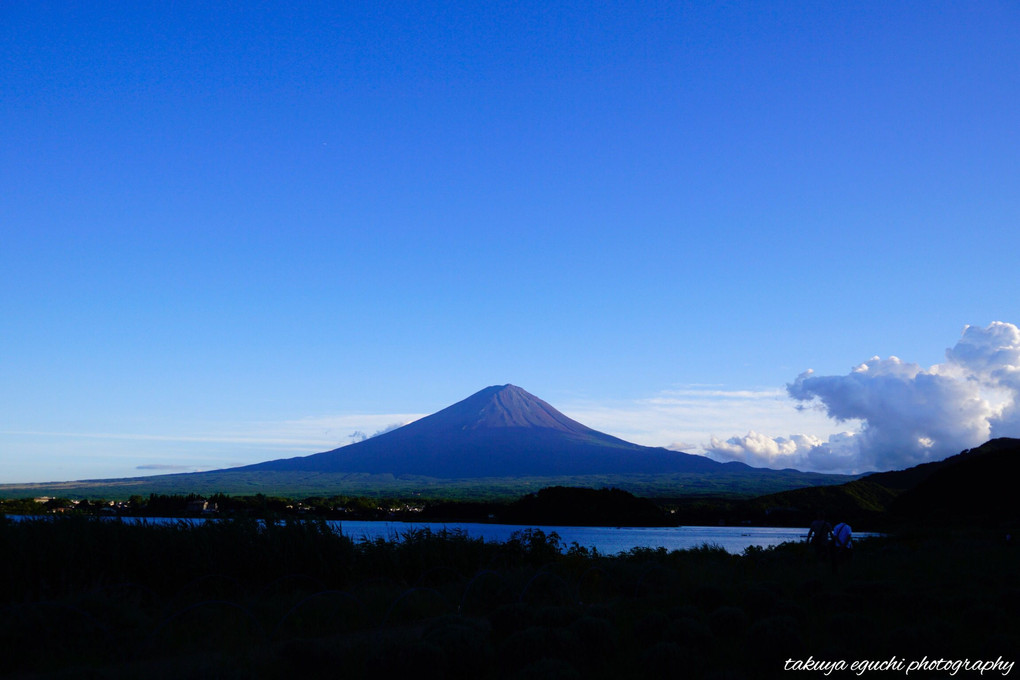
[607,540]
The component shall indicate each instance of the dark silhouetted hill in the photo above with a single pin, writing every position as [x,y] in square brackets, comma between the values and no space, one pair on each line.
[570,506]
[979,483]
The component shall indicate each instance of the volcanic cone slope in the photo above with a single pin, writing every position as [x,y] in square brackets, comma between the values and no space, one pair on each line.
[501,431]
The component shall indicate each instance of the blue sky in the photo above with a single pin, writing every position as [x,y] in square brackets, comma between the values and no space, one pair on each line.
[236,233]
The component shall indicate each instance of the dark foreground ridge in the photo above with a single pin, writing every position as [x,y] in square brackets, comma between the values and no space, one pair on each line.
[975,486]
[91,598]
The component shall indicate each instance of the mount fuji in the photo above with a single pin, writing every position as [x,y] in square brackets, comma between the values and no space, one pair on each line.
[500,431]
[501,441]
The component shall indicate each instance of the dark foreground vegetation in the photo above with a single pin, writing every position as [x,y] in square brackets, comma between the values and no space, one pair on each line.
[86,597]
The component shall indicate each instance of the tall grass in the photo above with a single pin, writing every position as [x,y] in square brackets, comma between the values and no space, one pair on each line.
[248,599]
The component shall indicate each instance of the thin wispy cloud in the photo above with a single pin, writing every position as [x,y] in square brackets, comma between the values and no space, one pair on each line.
[688,417]
[318,431]
[117,454]
[333,431]
[163,467]
[196,438]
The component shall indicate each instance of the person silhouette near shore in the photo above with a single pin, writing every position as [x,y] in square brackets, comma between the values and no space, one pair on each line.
[842,544]
[819,536]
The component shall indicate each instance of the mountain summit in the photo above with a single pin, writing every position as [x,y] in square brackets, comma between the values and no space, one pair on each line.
[503,406]
[501,431]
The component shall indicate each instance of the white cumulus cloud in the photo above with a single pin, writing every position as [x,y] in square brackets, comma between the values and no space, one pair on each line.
[837,454]
[904,414]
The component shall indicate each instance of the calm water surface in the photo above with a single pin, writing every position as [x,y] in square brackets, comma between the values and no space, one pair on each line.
[608,540]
